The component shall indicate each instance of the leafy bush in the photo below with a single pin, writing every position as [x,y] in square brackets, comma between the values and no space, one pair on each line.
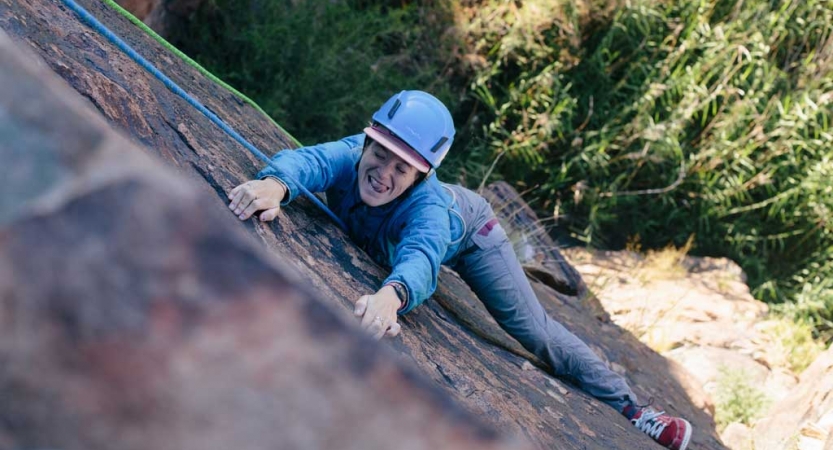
[791,343]
[736,400]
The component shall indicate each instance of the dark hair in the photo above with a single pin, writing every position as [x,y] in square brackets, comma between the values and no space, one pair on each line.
[367,140]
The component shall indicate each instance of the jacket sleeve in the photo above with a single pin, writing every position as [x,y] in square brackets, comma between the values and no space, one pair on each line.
[423,241]
[315,168]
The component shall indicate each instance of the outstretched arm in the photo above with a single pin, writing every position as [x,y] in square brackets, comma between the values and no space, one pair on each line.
[416,260]
[314,168]
[317,167]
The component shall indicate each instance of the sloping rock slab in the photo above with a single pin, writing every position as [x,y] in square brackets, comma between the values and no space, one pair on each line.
[805,417]
[492,382]
[134,316]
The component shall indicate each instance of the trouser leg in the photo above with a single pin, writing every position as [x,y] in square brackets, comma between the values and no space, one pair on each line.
[490,267]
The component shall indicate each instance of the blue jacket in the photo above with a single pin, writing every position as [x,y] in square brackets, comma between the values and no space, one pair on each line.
[412,235]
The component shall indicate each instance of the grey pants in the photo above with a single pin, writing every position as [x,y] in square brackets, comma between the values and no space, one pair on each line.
[487,263]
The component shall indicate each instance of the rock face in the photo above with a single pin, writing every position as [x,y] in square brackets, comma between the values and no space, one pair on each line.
[699,313]
[159,313]
[696,311]
[805,417]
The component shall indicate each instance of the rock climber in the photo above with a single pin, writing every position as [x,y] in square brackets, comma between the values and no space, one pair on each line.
[382,185]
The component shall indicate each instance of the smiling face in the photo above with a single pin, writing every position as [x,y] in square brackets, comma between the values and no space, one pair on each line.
[383,176]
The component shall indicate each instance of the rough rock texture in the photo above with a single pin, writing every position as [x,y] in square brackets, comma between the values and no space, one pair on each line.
[696,311]
[163,16]
[135,314]
[450,340]
[738,436]
[805,417]
[699,312]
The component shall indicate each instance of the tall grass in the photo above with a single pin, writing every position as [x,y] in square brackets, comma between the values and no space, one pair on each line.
[704,118]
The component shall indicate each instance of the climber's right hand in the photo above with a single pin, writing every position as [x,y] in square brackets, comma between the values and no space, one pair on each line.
[257,195]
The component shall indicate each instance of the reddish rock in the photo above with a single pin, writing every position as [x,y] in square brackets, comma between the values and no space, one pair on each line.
[140,8]
[738,436]
[208,343]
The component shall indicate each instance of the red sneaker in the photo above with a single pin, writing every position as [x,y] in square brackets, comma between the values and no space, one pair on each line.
[670,432]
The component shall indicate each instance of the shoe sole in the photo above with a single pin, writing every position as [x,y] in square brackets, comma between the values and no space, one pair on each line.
[687,436]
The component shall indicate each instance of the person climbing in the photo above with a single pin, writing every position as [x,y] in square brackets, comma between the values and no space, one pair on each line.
[382,185]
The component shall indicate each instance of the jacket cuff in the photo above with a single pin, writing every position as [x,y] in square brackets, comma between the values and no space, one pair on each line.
[286,198]
[405,302]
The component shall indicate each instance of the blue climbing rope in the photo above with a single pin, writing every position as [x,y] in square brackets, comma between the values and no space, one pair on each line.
[95,24]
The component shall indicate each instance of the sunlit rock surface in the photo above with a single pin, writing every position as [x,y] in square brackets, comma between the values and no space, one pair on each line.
[803,419]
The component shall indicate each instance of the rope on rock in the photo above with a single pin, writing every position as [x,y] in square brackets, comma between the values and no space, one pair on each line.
[96,25]
[168,46]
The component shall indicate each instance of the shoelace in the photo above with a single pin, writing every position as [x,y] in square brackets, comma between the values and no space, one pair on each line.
[648,425]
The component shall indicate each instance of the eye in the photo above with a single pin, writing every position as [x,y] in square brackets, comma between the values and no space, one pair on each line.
[401,169]
[379,154]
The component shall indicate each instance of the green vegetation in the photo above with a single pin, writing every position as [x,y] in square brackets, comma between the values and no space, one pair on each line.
[319,68]
[792,344]
[736,400]
[622,120]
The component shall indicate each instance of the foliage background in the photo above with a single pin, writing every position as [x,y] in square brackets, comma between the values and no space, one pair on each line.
[640,122]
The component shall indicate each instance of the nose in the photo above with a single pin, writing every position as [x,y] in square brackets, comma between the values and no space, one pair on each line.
[388,170]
